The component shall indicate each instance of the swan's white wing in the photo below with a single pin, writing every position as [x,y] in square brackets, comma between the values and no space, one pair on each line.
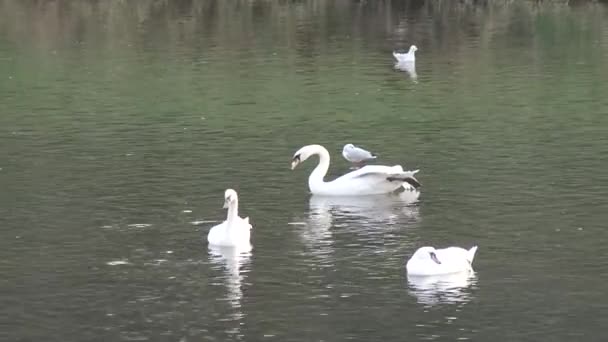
[457,253]
[452,252]
[246,222]
[385,174]
[455,257]
[369,170]
[357,154]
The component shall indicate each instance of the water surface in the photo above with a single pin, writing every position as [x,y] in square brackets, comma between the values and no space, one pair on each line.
[121,124]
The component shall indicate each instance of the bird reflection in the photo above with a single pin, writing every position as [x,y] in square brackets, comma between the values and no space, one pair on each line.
[367,209]
[409,68]
[356,214]
[442,289]
[233,259]
[317,234]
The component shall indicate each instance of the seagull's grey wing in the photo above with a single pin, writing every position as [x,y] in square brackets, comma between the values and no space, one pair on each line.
[358,154]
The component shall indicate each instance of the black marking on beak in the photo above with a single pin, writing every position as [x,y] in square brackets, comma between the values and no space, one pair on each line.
[296,158]
[434,258]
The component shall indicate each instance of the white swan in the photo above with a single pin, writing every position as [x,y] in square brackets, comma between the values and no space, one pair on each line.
[356,155]
[368,180]
[428,261]
[410,56]
[235,231]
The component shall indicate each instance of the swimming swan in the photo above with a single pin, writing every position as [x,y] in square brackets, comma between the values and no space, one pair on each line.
[368,180]
[235,231]
[428,261]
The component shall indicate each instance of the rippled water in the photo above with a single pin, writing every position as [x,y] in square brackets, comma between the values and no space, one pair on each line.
[121,123]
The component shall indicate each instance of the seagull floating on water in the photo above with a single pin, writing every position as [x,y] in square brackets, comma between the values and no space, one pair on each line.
[410,56]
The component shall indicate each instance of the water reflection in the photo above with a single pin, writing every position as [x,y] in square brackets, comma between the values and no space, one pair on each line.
[442,289]
[370,209]
[317,235]
[409,68]
[232,259]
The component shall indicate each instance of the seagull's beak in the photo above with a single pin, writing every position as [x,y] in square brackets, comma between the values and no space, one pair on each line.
[434,258]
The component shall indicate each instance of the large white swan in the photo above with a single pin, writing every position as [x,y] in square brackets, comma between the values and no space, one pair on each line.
[368,180]
[428,261]
[410,56]
[235,231]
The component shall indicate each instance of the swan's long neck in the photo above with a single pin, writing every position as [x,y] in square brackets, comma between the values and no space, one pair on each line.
[233,213]
[317,175]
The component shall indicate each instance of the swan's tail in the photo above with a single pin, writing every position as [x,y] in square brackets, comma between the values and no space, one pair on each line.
[471,254]
[397,55]
[407,177]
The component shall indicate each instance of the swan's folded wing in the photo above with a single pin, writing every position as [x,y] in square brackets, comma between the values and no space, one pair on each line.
[246,221]
[407,177]
[391,174]
[374,170]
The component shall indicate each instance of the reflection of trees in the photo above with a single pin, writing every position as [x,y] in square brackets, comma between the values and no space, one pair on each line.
[240,24]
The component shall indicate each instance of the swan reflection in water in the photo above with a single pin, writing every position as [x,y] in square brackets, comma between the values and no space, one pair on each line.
[358,213]
[409,68]
[368,209]
[442,289]
[232,259]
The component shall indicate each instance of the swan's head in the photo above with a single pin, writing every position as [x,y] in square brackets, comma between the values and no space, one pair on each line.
[426,253]
[230,198]
[303,154]
[413,49]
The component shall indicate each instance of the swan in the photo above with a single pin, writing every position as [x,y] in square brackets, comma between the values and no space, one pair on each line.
[356,155]
[410,56]
[235,231]
[428,261]
[368,180]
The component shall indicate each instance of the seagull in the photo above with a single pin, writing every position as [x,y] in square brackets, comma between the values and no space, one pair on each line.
[410,56]
[356,155]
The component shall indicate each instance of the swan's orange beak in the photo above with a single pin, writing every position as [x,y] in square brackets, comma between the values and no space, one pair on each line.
[294,163]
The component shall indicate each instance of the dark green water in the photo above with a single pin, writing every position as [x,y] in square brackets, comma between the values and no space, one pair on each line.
[119,118]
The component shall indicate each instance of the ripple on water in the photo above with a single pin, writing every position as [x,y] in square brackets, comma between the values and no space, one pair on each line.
[199,222]
[139,225]
[117,263]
